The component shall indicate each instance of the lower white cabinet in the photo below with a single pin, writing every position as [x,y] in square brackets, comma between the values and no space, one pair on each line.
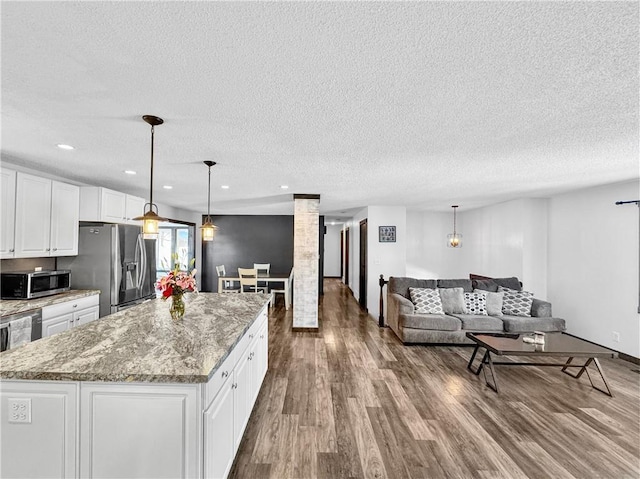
[219,442]
[226,417]
[63,316]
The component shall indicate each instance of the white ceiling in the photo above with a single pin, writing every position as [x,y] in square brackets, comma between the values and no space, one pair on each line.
[365,103]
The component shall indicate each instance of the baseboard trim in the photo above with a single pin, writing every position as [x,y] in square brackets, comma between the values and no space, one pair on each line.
[623,356]
[305,330]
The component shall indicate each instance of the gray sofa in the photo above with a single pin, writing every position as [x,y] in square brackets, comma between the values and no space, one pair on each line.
[451,328]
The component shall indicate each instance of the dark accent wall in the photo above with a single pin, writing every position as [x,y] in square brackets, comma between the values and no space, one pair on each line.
[242,240]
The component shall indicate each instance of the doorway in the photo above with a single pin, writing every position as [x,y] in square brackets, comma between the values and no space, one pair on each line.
[346,257]
[363,265]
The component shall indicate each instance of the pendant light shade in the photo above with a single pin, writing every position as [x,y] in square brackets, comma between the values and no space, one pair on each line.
[208,229]
[454,240]
[150,217]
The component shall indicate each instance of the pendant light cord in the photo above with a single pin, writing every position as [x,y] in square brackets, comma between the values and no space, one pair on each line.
[209,197]
[151,185]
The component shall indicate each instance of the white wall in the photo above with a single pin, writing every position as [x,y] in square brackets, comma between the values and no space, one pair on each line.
[593,264]
[427,253]
[388,259]
[332,251]
[503,240]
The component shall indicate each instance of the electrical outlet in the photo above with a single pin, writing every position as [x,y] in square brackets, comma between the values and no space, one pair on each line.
[616,337]
[19,410]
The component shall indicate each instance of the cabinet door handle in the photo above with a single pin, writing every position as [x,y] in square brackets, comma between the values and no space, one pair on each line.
[12,250]
[55,249]
[251,336]
[262,336]
[225,374]
[234,386]
[75,305]
[48,249]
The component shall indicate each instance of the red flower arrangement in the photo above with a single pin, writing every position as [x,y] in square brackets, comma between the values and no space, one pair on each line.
[177,282]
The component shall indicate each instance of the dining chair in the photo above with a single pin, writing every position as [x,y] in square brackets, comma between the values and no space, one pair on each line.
[249,281]
[227,286]
[287,299]
[263,268]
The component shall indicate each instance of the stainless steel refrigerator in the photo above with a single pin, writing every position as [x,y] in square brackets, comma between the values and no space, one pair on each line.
[117,260]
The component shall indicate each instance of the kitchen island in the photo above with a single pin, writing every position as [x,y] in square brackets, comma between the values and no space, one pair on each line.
[136,394]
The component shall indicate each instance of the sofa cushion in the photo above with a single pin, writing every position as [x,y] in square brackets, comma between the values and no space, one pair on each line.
[475,303]
[519,324]
[401,285]
[492,284]
[426,300]
[494,302]
[480,322]
[441,322]
[465,284]
[516,303]
[452,300]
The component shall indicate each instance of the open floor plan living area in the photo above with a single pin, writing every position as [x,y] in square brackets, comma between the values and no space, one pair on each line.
[320,239]
[352,401]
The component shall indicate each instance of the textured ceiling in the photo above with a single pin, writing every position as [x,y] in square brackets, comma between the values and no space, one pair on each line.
[416,104]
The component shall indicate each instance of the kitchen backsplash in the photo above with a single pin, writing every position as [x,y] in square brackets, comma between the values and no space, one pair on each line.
[27,264]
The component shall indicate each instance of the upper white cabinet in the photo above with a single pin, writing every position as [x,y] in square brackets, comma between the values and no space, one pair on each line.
[103,204]
[65,214]
[7,213]
[46,217]
[134,208]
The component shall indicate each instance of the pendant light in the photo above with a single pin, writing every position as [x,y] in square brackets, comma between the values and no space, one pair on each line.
[150,217]
[454,240]
[208,229]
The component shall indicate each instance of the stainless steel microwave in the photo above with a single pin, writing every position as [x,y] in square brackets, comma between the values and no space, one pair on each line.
[34,284]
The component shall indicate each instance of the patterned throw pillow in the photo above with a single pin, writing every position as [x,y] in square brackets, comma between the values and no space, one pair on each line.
[516,303]
[426,301]
[476,303]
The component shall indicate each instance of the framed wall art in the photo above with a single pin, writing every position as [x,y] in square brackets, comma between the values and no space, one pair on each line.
[386,234]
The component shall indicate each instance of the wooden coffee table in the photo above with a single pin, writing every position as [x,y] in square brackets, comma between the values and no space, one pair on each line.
[556,345]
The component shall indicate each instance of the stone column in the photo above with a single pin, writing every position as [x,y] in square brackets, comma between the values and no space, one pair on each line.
[306,252]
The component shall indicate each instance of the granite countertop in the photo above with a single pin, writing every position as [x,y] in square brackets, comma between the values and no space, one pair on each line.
[142,343]
[13,306]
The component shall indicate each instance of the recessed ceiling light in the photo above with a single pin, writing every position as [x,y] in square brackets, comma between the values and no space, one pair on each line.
[130,172]
[65,147]
[225,187]
[284,187]
[168,187]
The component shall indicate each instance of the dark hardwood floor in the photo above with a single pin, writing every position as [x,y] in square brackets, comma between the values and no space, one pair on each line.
[350,401]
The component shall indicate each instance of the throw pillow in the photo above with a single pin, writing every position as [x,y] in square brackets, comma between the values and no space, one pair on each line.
[452,300]
[494,302]
[476,303]
[516,303]
[426,301]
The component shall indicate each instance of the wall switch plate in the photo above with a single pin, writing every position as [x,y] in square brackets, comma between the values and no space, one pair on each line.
[616,337]
[19,410]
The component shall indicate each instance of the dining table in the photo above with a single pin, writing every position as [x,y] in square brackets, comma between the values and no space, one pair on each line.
[270,279]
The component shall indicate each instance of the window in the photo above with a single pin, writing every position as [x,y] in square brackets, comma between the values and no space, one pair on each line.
[174,238]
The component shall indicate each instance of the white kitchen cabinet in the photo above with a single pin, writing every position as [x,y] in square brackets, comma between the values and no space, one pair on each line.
[63,316]
[103,204]
[219,441]
[134,208]
[65,216]
[33,216]
[7,213]
[235,390]
[46,217]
